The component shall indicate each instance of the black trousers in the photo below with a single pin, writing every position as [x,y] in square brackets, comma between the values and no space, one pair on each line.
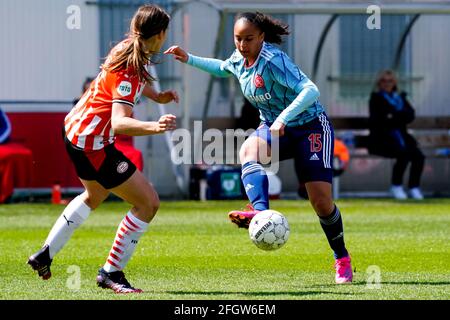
[403,153]
[412,155]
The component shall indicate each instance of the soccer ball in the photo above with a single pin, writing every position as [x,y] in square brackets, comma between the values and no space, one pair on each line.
[269,230]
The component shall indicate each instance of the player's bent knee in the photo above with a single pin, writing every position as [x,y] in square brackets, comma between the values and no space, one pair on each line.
[154,201]
[150,207]
[247,153]
[154,206]
[145,212]
[322,207]
[243,152]
[92,202]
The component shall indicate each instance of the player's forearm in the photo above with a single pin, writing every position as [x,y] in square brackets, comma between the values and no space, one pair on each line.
[306,97]
[132,127]
[150,92]
[212,66]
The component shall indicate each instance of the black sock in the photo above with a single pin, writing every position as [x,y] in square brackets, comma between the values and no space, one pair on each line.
[332,226]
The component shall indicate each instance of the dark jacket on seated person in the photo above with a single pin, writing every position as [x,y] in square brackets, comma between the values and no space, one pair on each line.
[389,115]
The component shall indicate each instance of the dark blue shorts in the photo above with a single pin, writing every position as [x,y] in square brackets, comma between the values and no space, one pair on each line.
[311,145]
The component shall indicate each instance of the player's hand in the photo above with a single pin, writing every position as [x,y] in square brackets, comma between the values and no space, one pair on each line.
[167,96]
[178,53]
[277,129]
[167,122]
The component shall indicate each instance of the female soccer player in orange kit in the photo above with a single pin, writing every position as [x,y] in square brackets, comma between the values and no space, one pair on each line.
[105,110]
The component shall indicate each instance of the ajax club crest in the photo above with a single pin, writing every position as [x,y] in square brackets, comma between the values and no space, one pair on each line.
[258,81]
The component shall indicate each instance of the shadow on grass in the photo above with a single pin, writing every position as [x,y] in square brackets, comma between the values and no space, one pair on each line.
[258,293]
[364,283]
[429,283]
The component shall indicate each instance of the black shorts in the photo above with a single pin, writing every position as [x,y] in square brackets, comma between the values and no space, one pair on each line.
[107,166]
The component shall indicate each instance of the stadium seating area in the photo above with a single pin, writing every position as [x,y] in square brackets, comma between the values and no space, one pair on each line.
[16,163]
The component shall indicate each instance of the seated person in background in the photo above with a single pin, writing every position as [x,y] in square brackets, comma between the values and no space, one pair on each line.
[5,127]
[123,143]
[389,113]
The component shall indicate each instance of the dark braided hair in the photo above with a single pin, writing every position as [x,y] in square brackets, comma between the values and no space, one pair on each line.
[273,29]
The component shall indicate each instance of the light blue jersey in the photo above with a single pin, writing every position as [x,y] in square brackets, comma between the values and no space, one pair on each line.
[273,84]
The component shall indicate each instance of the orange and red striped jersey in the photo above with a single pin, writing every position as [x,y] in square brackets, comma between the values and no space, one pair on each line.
[88,124]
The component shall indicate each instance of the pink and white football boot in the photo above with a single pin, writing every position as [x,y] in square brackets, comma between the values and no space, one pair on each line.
[344,273]
[242,218]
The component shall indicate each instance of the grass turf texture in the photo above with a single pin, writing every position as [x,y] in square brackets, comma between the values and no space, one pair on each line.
[191,251]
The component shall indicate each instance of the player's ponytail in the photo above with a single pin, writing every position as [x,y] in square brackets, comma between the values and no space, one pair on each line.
[148,21]
[273,29]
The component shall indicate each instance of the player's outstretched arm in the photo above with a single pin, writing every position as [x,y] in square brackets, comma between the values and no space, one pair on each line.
[123,123]
[178,53]
[160,97]
[210,65]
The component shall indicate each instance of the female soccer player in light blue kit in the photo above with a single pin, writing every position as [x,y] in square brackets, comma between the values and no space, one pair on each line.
[291,113]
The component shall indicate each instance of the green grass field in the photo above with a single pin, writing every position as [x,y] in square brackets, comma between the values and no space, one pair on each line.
[191,251]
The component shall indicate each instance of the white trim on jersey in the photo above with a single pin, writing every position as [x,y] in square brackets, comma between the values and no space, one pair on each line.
[262,53]
[124,101]
[267,54]
[327,143]
[98,144]
[87,131]
[112,137]
[264,56]
[70,134]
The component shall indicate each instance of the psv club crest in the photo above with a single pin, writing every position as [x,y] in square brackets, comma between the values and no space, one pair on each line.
[258,81]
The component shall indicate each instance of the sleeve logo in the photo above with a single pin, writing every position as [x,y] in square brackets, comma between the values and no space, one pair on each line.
[124,88]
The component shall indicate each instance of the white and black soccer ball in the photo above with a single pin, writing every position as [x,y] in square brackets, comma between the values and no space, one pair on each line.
[269,230]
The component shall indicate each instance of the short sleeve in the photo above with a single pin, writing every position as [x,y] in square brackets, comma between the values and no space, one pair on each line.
[125,87]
